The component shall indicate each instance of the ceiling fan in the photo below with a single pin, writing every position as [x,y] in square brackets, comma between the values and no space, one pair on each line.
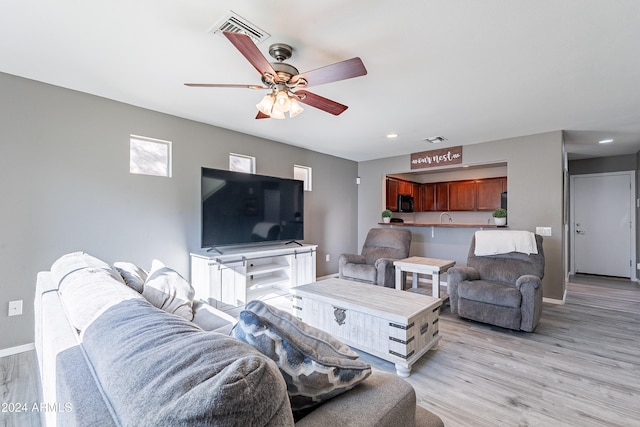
[285,82]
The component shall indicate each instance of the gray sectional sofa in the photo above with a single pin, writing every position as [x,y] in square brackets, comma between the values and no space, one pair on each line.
[107,356]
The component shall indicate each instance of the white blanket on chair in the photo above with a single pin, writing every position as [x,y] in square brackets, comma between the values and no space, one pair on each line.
[492,242]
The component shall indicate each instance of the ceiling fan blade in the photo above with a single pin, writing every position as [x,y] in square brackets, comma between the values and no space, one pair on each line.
[249,50]
[262,115]
[332,73]
[320,102]
[225,85]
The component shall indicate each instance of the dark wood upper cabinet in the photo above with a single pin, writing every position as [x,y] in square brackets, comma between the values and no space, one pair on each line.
[407,188]
[392,194]
[489,193]
[427,197]
[462,195]
[395,187]
[442,196]
[467,195]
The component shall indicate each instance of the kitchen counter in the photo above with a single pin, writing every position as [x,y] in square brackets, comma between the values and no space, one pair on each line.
[435,224]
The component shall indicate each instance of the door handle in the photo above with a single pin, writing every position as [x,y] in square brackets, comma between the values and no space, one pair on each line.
[580,231]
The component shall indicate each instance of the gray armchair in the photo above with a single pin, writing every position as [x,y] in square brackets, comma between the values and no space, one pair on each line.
[502,289]
[381,248]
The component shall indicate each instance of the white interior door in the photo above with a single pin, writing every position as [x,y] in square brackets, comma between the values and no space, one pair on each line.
[602,224]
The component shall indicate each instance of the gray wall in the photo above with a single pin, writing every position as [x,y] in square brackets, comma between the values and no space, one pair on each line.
[536,196]
[603,165]
[65,186]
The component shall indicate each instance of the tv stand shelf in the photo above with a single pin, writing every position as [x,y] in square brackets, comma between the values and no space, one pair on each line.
[233,278]
[267,268]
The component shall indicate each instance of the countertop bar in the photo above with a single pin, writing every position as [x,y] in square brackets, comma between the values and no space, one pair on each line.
[435,224]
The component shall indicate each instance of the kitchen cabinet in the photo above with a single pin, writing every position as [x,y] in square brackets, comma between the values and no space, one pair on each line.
[406,188]
[396,187]
[462,195]
[476,195]
[465,195]
[490,192]
[427,198]
[392,194]
[434,197]
[442,196]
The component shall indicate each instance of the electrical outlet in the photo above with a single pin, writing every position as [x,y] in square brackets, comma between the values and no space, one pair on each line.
[328,257]
[15,308]
[543,231]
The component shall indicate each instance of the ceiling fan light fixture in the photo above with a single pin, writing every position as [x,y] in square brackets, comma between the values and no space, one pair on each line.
[276,114]
[295,108]
[282,101]
[279,102]
[266,104]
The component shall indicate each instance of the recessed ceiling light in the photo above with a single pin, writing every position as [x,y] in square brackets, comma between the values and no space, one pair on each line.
[435,139]
[605,141]
[392,135]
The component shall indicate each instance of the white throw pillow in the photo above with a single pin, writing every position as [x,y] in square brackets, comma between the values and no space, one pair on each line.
[169,291]
[133,275]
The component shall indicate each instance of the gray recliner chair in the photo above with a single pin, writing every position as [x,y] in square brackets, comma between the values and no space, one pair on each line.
[381,248]
[500,289]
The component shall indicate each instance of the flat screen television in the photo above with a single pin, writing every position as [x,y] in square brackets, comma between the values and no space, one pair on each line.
[242,208]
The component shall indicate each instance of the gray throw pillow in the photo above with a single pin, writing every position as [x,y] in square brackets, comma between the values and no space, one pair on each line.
[133,275]
[315,365]
[166,289]
[160,370]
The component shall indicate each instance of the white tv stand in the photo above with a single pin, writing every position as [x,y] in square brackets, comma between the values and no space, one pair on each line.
[232,278]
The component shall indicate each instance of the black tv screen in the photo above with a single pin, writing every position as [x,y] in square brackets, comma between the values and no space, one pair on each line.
[242,208]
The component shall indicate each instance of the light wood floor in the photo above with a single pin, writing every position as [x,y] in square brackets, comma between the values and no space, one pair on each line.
[18,392]
[580,368]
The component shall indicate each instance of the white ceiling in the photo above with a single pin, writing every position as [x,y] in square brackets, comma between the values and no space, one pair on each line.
[471,71]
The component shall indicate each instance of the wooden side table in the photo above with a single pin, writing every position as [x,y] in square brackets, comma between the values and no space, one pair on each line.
[420,265]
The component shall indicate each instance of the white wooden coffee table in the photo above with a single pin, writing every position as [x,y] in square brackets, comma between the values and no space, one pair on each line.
[398,327]
[421,265]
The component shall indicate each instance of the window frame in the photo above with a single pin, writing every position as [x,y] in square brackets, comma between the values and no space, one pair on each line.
[242,157]
[307,172]
[136,166]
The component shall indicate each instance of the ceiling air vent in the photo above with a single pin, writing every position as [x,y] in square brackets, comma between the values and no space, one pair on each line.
[236,24]
[435,139]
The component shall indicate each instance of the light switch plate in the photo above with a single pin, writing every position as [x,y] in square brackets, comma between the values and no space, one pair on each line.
[543,231]
[15,308]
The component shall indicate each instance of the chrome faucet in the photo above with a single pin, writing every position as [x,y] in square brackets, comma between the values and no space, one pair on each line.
[447,214]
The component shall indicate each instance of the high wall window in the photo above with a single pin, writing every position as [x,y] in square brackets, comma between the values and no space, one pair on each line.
[149,156]
[242,163]
[303,173]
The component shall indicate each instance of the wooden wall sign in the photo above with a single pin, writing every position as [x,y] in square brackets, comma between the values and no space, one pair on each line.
[442,157]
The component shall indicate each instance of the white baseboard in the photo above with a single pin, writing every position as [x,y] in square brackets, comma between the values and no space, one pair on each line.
[18,349]
[329,276]
[556,301]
